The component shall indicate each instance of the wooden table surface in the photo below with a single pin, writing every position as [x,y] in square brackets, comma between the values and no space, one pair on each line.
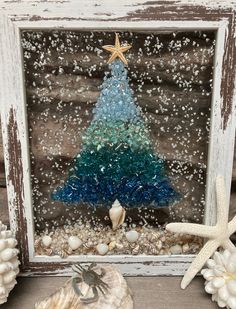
[149,293]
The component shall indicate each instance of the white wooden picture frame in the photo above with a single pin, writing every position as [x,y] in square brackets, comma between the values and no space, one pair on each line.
[112,15]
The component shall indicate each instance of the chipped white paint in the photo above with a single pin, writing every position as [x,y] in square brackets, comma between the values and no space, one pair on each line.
[104,9]
[172,265]
[221,145]
[105,14]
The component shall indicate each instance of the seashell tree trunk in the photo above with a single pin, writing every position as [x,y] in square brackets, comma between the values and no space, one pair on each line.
[117,215]
[118,297]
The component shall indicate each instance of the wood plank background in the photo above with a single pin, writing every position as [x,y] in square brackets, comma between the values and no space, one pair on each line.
[171,76]
[46,80]
[148,293]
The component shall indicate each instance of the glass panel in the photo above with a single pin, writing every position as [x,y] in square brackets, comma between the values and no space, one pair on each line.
[232,209]
[117,151]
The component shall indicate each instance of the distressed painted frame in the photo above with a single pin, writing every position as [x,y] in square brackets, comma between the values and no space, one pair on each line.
[117,15]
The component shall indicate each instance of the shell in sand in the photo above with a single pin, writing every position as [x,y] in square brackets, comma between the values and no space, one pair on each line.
[119,295]
[117,215]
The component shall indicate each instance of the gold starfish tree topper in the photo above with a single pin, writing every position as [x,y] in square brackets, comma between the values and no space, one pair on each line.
[117,50]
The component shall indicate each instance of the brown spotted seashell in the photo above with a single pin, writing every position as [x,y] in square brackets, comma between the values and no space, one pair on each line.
[136,250]
[48,251]
[37,243]
[63,254]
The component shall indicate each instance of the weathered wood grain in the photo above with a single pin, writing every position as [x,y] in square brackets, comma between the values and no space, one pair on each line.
[157,66]
[1,153]
[4,214]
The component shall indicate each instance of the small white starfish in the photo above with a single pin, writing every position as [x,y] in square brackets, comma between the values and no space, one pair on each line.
[218,235]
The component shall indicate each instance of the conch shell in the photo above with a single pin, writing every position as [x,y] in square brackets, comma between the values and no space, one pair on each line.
[117,215]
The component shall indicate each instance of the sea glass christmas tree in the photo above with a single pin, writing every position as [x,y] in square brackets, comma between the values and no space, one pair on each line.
[117,160]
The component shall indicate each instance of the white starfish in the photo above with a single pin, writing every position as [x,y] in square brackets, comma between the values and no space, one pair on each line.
[218,235]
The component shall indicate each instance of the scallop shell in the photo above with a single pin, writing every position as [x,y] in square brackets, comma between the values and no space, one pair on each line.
[119,295]
[117,215]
